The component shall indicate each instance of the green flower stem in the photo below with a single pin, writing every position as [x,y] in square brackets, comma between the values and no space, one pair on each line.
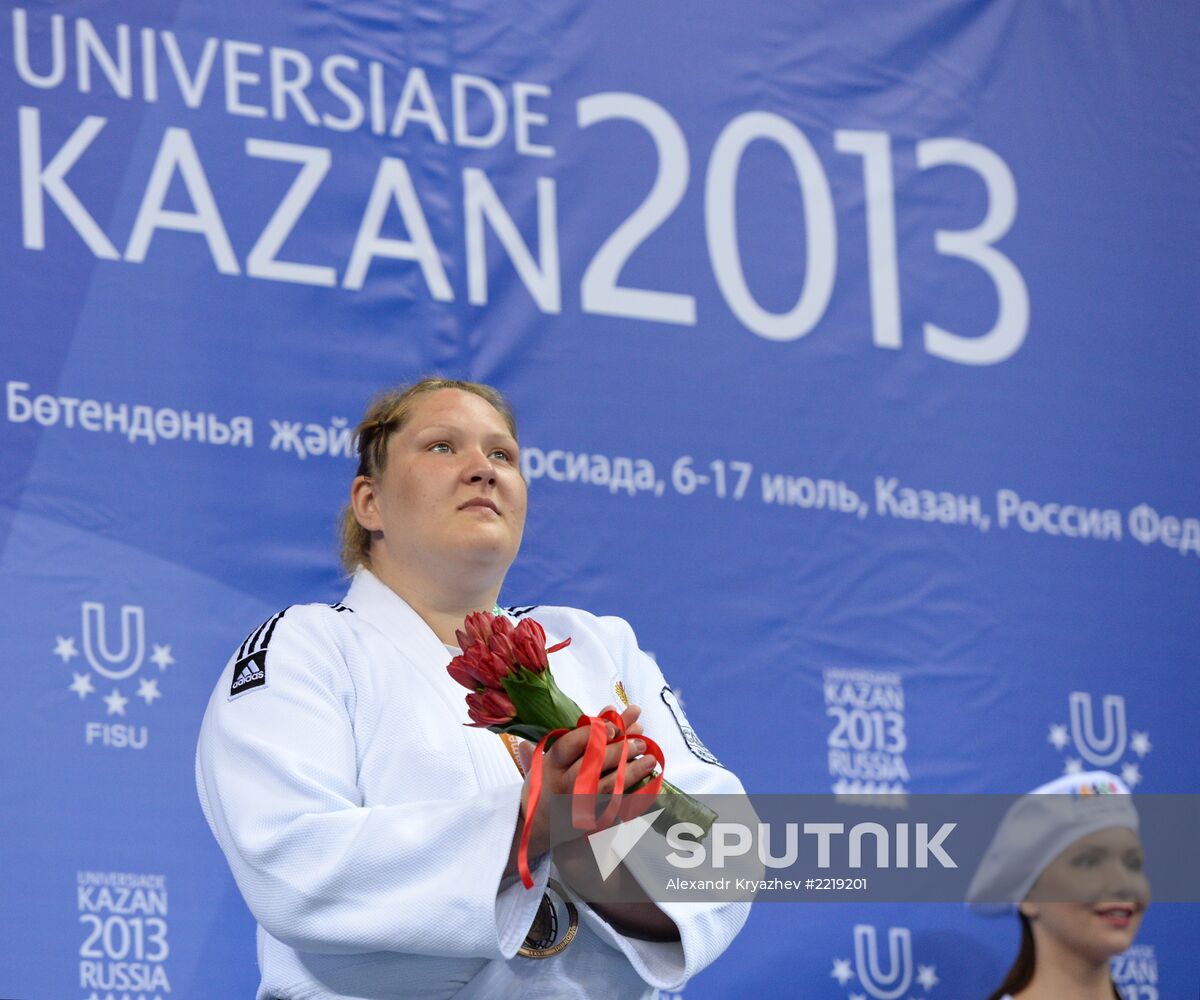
[539,702]
[679,807]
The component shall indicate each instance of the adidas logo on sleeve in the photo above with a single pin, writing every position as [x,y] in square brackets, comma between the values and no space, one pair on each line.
[250,668]
[249,673]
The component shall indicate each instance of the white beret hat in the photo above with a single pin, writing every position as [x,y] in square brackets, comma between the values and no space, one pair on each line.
[1039,827]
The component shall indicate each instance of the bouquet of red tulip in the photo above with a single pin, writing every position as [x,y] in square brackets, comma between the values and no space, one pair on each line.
[507,670]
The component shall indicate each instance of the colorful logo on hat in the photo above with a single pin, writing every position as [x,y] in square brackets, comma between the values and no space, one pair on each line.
[1089,788]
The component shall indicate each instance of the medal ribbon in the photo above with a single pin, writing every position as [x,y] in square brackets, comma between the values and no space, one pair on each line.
[587,781]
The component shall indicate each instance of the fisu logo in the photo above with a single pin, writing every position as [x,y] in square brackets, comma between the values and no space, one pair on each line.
[894,983]
[133,641]
[888,983]
[1111,746]
[1100,742]
[114,648]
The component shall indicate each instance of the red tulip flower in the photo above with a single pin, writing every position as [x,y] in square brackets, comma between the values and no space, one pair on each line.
[490,707]
[506,670]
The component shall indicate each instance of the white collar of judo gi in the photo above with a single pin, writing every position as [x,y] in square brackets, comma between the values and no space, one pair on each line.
[418,645]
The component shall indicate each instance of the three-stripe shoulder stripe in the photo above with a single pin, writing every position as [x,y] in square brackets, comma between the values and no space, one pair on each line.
[260,637]
[258,640]
[520,612]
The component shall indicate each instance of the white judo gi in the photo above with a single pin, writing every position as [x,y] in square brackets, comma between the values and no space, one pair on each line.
[368,828]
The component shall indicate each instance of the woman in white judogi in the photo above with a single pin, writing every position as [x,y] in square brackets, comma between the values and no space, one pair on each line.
[371,833]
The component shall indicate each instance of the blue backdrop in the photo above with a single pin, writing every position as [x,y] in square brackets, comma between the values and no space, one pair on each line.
[853,347]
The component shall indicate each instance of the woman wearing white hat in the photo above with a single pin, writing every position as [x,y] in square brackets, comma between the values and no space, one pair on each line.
[1069,857]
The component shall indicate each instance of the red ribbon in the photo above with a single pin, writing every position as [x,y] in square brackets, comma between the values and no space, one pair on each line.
[587,782]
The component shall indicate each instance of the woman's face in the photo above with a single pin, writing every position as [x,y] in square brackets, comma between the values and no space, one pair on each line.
[451,493]
[1092,897]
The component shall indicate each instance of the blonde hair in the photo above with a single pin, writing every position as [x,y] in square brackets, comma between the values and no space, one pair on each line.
[387,413]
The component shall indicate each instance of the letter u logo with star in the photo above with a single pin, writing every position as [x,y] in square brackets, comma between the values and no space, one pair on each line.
[896,981]
[1107,750]
[128,658]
